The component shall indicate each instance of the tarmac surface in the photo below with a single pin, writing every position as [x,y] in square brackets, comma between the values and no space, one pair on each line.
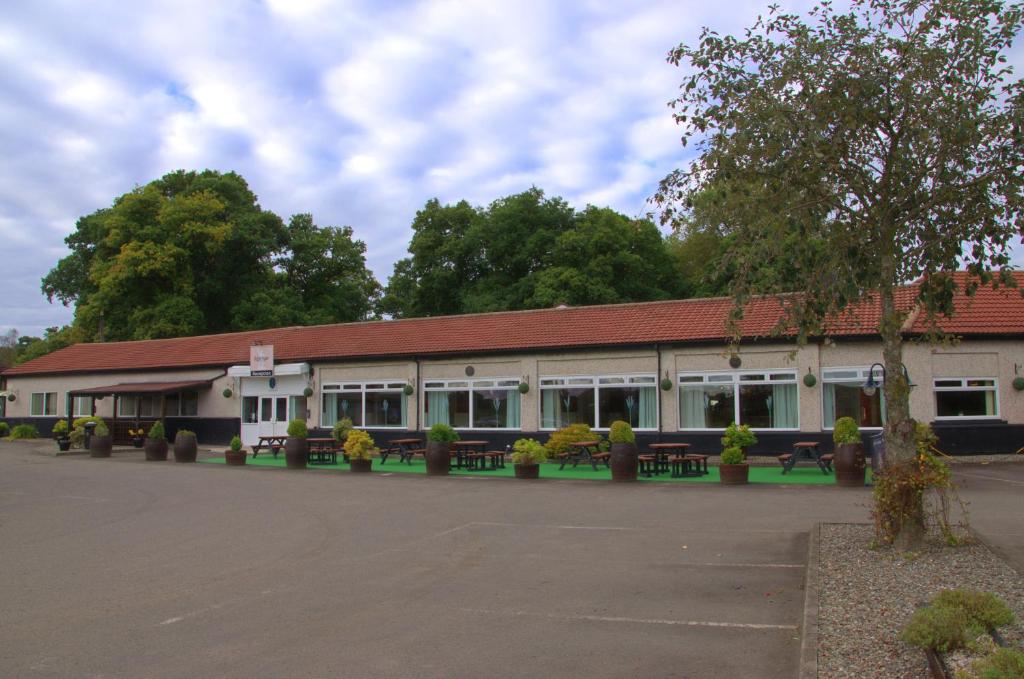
[123,568]
[995,505]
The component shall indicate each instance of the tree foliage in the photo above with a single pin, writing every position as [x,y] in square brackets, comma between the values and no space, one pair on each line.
[861,149]
[527,251]
[193,253]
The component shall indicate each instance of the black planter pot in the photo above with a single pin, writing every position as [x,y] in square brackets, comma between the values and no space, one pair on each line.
[185,449]
[296,452]
[624,461]
[734,474]
[361,466]
[138,441]
[850,464]
[156,449]
[527,471]
[438,458]
[63,444]
[100,446]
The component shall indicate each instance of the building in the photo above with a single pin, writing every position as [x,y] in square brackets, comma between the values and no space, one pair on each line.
[662,366]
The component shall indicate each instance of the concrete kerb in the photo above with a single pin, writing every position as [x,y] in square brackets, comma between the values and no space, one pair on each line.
[809,638]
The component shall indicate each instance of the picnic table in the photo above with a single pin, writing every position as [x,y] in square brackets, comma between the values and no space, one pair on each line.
[584,451]
[474,456]
[806,451]
[272,443]
[322,451]
[406,449]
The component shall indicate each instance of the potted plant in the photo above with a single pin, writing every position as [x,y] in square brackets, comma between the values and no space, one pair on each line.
[234,455]
[101,442]
[849,453]
[623,451]
[155,444]
[185,447]
[60,434]
[438,455]
[340,430]
[734,469]
[527,454]
[359,448]
[138,436]
[296,448]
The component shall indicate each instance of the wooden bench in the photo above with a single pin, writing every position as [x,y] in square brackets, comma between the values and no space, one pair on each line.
[700,462]
[647,464]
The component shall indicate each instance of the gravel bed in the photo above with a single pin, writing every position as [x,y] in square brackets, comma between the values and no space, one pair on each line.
[865,597]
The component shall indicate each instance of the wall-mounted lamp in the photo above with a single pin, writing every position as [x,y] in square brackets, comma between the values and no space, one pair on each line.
[871,386]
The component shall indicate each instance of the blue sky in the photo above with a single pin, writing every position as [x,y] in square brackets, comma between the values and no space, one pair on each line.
[358,112]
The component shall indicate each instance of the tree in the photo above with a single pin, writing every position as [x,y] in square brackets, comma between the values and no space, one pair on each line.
[53,338]
[866,149]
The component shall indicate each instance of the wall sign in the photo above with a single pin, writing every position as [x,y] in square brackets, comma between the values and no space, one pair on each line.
[261,360]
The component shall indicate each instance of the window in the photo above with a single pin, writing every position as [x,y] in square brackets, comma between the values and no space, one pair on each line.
[842,393]
[966,397]
[183,404]
[81,406]
[599,401]
[472,404]
[767,400]
[44,404]
[379,405]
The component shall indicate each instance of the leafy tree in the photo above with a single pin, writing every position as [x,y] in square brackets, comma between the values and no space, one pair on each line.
[864,148]
[53,338]
[8,348]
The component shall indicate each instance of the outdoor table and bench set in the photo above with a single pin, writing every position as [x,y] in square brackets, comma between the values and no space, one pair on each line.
[468,455]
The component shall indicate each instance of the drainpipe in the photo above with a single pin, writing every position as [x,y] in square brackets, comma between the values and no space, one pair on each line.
[657,385]
[419,406]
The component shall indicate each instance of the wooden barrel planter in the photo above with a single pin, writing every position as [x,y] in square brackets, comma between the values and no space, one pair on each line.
[100,446]
[361,466]
[624,461]
[438,457]
[734,474]
[296,452]
[235,458]
[850,464]
[156,450]
[527,471]
[185,448]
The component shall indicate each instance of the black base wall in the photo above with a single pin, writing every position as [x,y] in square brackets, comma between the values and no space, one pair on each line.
[212,431]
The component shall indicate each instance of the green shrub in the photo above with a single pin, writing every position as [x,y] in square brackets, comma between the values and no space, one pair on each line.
[24,431]
[925,438]
[558,442]
[101,429]
[940,628]
[621,432]
[60,429]
[341,429]
[5,429]
[298,429]
[236,444]
[442,433]
[81,421]
[738,436]
[528,451]
[359,445]
[846,431]
[1003,663]
[983,609]
[183,434]
[157,430]
[733,455]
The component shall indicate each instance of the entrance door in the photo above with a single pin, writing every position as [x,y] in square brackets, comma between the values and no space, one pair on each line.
[263,416]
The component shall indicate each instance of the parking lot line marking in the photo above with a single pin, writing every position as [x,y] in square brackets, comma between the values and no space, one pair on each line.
[991,478]
[640,621]
[171,621]
[628,528]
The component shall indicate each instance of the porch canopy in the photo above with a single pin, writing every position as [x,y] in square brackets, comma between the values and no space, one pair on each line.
[137,388]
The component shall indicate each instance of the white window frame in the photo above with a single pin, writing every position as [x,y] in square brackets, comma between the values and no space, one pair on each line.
[49,398]
[481,383]
[362,387]
[994,388]
[75,412]
[555,382]
[734,378]
[862,375]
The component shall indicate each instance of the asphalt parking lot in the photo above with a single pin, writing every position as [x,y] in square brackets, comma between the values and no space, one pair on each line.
[122,568]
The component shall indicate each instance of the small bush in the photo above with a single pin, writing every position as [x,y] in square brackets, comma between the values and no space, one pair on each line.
[846,431]
[5,429]
[983,609]
[341,429]
[621,432]
[101,429]
[24,431]
[733,455]
[738,436]
[236,444]
[943,629]
[1003,663]
[183,434]
[359,445]
[60,429]
[442,433]
[298,429]
[559,441]
[157,430]
[528,451]
[81,421]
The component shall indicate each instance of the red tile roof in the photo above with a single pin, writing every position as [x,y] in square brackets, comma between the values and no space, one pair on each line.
[677,321]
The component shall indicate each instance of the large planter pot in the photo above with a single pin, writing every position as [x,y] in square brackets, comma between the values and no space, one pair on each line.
[849,464]
[138,441]
[734,474]
[100,446]
[235,458]
[438,458]
[296,452]
[624,461]
[361,466]
[156,449]
[185,449]
[527,471]
[64,444]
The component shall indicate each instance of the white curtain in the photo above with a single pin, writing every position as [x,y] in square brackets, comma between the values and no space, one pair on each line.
[329,410]
[514,409]
[691,407]
[549,408]
[828,406]
[785,413]
[648,418]
[437,408]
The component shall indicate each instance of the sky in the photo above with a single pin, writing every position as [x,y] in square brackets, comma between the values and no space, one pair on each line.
[355,111]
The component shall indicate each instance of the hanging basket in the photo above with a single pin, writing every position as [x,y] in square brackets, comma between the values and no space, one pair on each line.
[407,390]
[227,392]
[810,380]
[523,387]
[735,361]
[1018,384]
[666,384]
[12,397]
[307,392]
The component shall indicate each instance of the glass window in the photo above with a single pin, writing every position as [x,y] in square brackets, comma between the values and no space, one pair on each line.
[43,404]
[843,395]
[266,409]
[761,400]
[967,397]
[473,404]
[250,404]
[599,401]
[281,406]
[371,404]
[81,406]
[189,404]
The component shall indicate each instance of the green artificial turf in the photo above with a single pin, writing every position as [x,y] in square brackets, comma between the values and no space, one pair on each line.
[804,475]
